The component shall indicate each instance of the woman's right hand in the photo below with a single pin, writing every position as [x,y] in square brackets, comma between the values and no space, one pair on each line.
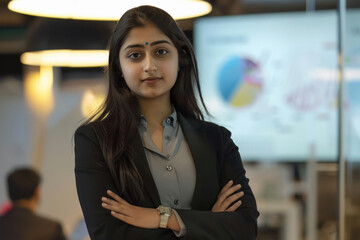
[227,199]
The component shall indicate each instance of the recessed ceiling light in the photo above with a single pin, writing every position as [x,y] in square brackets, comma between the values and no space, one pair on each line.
[107,10]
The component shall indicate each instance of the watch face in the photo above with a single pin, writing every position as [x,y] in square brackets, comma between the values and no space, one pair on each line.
[164,210]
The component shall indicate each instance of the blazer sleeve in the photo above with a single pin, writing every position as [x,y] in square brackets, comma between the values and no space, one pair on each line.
[240,224]
[93,178]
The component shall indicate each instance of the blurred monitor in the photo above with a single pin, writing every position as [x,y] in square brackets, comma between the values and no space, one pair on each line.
[271,79]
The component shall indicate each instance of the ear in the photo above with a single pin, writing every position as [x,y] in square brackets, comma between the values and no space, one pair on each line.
[37,193]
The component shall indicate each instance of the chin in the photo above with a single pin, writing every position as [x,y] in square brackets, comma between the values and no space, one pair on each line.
[154,95]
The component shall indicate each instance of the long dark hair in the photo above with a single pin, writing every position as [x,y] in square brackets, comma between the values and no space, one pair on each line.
[119,116]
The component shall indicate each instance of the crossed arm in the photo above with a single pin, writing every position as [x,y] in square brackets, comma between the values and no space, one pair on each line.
[228,218]
[142,217]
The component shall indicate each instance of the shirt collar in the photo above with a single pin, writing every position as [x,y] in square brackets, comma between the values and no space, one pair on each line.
[171,120]
[143,121]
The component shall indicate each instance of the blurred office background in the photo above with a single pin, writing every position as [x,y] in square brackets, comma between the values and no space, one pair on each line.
[282,75]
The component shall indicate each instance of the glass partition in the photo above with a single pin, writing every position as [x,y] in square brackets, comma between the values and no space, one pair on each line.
[351,122]
[273,80]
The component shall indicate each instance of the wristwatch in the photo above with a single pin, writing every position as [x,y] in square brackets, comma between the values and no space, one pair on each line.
[165,213]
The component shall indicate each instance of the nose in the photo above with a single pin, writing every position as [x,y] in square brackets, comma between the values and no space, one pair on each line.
[150,64]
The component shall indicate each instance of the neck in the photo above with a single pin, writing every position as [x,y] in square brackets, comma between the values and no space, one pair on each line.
[26,203]
[155,110]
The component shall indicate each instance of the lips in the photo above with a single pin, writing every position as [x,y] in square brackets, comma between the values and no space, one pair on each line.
[151,79]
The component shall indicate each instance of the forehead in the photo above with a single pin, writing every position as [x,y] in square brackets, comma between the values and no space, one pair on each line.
[147,33]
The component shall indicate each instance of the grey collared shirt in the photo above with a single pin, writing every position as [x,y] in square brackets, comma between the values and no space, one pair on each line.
[173,169]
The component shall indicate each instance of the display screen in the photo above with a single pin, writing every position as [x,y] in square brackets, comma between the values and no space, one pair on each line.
[272,80]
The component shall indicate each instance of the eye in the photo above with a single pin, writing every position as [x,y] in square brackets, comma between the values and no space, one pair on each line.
[162,52]
[134,55]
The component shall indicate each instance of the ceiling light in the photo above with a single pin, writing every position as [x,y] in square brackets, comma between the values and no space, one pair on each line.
[67,43]
[108,10]
[66,58]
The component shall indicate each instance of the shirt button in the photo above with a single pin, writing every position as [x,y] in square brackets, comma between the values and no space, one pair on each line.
[169,168]
[168,155]
[167,137]
[168,120]
[176,201]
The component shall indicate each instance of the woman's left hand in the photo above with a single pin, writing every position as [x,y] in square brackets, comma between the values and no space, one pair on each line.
[133,215]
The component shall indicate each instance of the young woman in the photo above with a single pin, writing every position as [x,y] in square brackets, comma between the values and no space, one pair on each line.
[147,165]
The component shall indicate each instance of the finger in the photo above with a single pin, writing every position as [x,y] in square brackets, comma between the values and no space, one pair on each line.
[116,197]
[227,186]
[109,201]
[109,207]
[121,209]
[230,200]
[235,206]
[228,192]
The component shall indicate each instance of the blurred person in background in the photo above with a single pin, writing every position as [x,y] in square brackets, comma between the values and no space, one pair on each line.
[21,222]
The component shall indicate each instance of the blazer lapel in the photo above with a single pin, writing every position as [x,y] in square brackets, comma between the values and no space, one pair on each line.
[204,156]
[143,168]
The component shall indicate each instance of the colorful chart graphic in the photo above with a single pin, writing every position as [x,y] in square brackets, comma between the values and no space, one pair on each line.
[239,81]
[310,96]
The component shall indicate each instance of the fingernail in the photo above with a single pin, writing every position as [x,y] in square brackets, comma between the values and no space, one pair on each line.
[109,191]
[104,204]
[103,199]
[230,181]
[239,202]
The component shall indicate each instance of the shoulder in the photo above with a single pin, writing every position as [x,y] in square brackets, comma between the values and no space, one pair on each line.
[88,128]
[4,218]
[209,127]
[47,221]
[15,213]
[205,129]
[91,131]
[28,218]
[50,228]
[43,222]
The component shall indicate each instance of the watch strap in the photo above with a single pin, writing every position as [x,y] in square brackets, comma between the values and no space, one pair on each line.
[165,213]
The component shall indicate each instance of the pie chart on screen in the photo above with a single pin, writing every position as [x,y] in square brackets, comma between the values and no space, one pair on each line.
[239,81]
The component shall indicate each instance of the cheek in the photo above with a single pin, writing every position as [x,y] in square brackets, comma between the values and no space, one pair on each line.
[128,79]
[127,73]
[175,70]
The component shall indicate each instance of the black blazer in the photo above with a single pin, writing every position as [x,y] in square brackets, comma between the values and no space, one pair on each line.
[23,224]
[217,161]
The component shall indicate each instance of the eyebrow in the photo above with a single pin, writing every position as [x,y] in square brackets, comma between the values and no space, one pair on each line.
[151,44]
